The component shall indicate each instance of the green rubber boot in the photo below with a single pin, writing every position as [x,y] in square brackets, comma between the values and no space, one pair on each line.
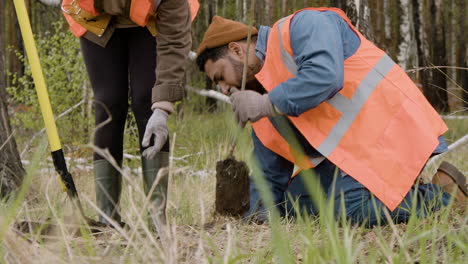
[158,197]
[108,182]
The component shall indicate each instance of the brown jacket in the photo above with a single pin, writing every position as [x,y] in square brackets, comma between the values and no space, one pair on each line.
[173,41]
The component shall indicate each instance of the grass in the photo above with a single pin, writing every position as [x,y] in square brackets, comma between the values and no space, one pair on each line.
[195,234]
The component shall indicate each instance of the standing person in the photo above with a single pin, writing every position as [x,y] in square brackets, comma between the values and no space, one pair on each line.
[321,97]
[132,49]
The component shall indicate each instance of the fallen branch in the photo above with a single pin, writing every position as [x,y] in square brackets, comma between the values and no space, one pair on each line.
[455,117]
[436,67]
[50,2]
[461,142]
[209,93]
[131,157]
[182,158]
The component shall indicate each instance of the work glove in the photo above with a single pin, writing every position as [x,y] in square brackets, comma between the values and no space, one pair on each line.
[251,106]
[157,126]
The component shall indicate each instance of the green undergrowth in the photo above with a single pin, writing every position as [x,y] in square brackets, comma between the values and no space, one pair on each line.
[195,234]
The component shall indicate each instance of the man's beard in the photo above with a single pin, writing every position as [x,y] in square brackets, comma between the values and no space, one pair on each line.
[252,84]
[255,85]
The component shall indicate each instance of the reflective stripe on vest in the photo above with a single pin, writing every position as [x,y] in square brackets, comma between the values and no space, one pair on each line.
[349,108]
[314,162]
[288,60]
[379,128]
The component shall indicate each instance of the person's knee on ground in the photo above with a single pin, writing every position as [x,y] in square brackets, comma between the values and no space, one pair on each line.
[298,199]
[257,212]
[354,202]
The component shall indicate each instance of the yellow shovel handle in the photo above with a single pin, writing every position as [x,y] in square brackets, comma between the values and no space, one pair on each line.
[38,77]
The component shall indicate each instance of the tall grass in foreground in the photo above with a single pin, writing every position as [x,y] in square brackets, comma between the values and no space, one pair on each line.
[195,234]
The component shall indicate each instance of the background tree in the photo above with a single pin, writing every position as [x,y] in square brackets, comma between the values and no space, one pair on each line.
[435,87]
[462,59]
[418,34]
[211,11]
[426,37]
[11,169]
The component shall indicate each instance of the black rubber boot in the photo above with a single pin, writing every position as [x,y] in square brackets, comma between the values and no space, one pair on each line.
[108,182]
[155,172]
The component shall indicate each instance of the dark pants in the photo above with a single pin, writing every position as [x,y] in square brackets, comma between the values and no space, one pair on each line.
[350,198]
[354,201]
[124,69]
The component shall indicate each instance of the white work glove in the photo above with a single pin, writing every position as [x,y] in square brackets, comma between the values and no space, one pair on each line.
[250,106]
[157,126]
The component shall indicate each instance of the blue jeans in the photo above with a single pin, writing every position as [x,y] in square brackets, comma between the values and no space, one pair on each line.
[360,206]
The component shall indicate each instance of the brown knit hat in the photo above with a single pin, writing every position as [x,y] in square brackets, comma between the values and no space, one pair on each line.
[221,31]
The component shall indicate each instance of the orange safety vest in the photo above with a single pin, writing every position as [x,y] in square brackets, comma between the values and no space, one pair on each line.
[80,12]
[379,128]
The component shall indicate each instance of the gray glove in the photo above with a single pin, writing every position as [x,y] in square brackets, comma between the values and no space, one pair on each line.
[251,106]
[157,125]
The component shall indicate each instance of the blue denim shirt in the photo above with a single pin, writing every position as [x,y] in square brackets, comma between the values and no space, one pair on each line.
[321,41]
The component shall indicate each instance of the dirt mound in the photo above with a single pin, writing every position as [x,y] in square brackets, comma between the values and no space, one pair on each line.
[232,187]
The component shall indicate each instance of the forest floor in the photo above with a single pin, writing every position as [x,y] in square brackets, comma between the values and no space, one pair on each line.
[194,234]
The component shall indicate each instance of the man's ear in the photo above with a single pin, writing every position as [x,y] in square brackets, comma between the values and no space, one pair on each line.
[236,49]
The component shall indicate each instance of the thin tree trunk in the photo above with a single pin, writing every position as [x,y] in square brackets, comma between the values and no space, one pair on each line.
[12,39]
[436,91]
[349,7]
[413,52]
[426,43]
[211,12]
[418,38]
[284,8]
[462,79]
[451,49]
[365,26]
[405,33]
[259,9]
[341,4]
[238,10]
[351,10]
[11,169]
[224,8]
[244,10]
[378,26]
[451,34]
[268,11]
[387,20]
[395,21]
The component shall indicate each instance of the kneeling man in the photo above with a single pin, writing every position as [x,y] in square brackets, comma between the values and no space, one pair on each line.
[322,97]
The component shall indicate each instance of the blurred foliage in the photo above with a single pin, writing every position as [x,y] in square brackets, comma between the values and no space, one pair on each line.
[66,80]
